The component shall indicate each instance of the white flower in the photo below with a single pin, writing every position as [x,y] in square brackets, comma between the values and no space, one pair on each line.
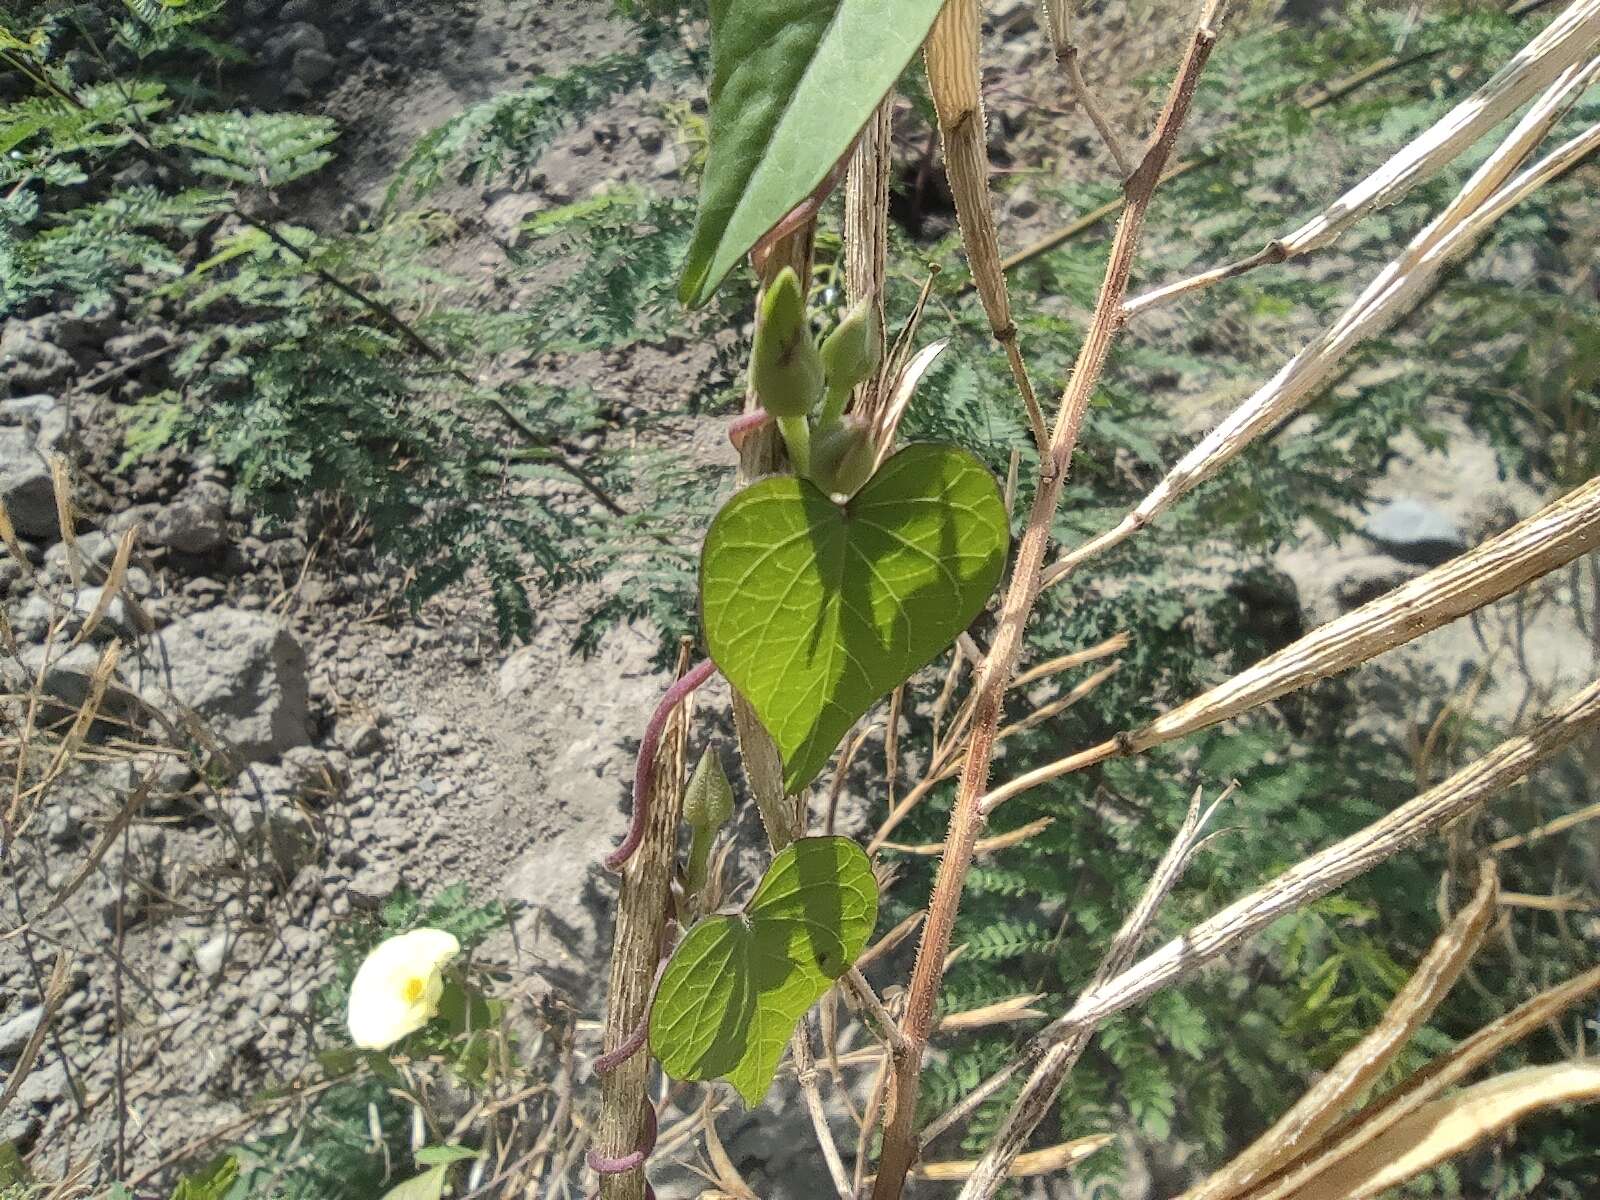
[397,989]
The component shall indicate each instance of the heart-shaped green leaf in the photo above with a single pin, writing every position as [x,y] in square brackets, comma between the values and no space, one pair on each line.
[792,83]
[815,611]
[736,985]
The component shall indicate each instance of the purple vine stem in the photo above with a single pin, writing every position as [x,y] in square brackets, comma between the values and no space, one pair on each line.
[635,1158]
[644,769]
[631,1044]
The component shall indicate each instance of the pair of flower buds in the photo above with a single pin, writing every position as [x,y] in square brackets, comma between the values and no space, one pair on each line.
[791,374]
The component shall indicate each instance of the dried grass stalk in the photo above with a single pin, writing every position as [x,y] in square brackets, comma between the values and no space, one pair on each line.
[1036,1162]
[1485,198]
[1447,1127]
[1570,37]
[951,55]
[1056,1046]
[1320,1108]
[1546,541]
[1328,869]
[1436,1078]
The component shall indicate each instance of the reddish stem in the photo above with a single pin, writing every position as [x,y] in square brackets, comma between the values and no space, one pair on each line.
[743,426]
[634,1159]
[644,769]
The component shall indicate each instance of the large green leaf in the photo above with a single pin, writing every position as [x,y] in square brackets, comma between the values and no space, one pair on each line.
[815,611]
[792,83]
[736,985]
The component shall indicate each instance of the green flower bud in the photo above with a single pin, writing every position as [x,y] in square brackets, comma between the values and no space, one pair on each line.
[784,366]
[708,802]
[842,458]
[851,353]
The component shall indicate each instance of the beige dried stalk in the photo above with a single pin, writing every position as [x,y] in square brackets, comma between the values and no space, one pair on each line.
[1064,41]
[1302,884]
[1357,1133]
[1327,1100]
[954,80]
[1450,1126]
[1550,539]
[1398,288]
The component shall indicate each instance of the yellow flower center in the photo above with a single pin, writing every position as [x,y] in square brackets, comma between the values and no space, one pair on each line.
[414,989]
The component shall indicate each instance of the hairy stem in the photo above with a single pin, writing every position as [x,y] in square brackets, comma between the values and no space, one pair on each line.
[966,822]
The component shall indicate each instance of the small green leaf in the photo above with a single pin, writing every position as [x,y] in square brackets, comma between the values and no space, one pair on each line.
[815,611]
[212,1182]
[792,83]
[438,1156]
[427,1186]
[736,985]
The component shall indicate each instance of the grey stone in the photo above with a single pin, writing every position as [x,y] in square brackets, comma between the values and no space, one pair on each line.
[243,674]
[358,738]
[67,676]
[302,35]
[195,523]
[211,956]
[31,429]
[30,363]
[1415,532]
[141,342]
[16,1030]
[30,621]
[311,66]
[95,549]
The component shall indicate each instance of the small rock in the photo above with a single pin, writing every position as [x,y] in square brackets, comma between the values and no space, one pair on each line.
[1415,532]
[311,66]
[358,738]
[243,673]
[29,363]
[15,1032]
[211,955]
[195,523]
[31,429]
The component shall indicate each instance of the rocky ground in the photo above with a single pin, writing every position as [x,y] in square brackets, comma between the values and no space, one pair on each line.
[375,749]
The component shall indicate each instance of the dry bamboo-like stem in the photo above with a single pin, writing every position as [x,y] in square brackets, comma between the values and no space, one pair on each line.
[1327,1100]
[1302,884]
[1060,1056]
[1564,43]
[642,907]
[1064,41]
[1545,542]
[866,211]
[805,1068]
[1564,90]
[1443,1073]
[1060,1157]
[951,55]
[1550,539]
[1395,291]
[899,1145]
[1323,97]
[1569,38]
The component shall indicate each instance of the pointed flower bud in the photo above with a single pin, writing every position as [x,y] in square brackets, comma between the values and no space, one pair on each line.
[708,800]
[851,353]
[784,366]
[842,457]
